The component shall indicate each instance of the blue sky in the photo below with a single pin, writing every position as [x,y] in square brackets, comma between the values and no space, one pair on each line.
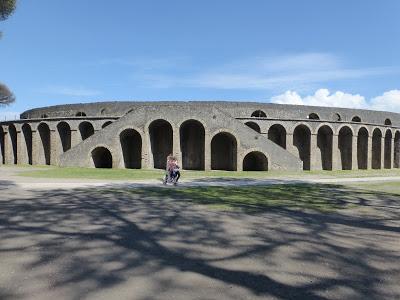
[343,53]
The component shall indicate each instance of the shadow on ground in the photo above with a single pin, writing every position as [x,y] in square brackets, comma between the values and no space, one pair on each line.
[153,243]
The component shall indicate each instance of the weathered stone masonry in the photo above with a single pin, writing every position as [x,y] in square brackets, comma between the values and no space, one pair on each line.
[203,135]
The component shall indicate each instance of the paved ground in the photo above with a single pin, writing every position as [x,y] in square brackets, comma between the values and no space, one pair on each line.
[75,242]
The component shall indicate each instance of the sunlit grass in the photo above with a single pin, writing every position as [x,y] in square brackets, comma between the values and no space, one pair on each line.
[130,174]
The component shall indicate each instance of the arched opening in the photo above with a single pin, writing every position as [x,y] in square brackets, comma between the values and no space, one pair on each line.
[388,150]
[388,122]
[277,134]
[302,141]
[338,117]
[255,161]
[396,162]
[259,114]
[313,116]
[44,116]
[64,132]
[346,147]
[44,133]
[356,119]
[2,144]
[192,137]
[102,158]
[106,124]
[80,114]
[161,140]
[27,132]
[376,149]
[131,144]
[12,131]
[103,111]
[254,126]
[362,148]
[224,152]
[324,143]
[86,130]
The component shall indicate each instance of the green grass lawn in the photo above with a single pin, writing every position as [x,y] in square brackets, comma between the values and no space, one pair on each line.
[128,174]
[320,197]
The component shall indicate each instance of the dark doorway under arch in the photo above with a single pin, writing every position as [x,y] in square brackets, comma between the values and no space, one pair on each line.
[277,134]
[313,116]
[388,150]
[86,130]
[192,138]
[64,132]
[161,140]
[44,133]
[259,114]
[255,161]
[396,163]
[324,143]
[254,126]
[27,132]
[2,145]
[376,149]
[346,147]
[102,158]
[224,152]
[302,141]
[131,144]
[362,149]
[12,131]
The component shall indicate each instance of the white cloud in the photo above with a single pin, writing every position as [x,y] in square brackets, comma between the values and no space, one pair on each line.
[77,91]
[8,115]
[388,101]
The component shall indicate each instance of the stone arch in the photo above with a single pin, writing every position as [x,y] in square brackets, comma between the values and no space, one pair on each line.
[346,147]
[44,133]
[313,116]
[106,124]
[277,134]
[362,148]
[356,119]
[255,161]
[192,137]
[324,143]
[254,126]
[86,130]
[64,133]
[161,141]
[131,145]
[224,152]
[388,150]
[259,114]
[388,122]
[302,141]
[27,132]
[103,111]
[376,148]
[396,163]
[338,117]
[2,145]
[102,158]
[12,131]
[80,114]
[44,116]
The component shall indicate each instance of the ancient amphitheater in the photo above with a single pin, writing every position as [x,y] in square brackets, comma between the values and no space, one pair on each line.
[203,135]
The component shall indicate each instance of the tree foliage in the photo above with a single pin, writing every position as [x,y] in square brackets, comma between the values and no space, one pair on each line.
[6,97]
[7,7]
